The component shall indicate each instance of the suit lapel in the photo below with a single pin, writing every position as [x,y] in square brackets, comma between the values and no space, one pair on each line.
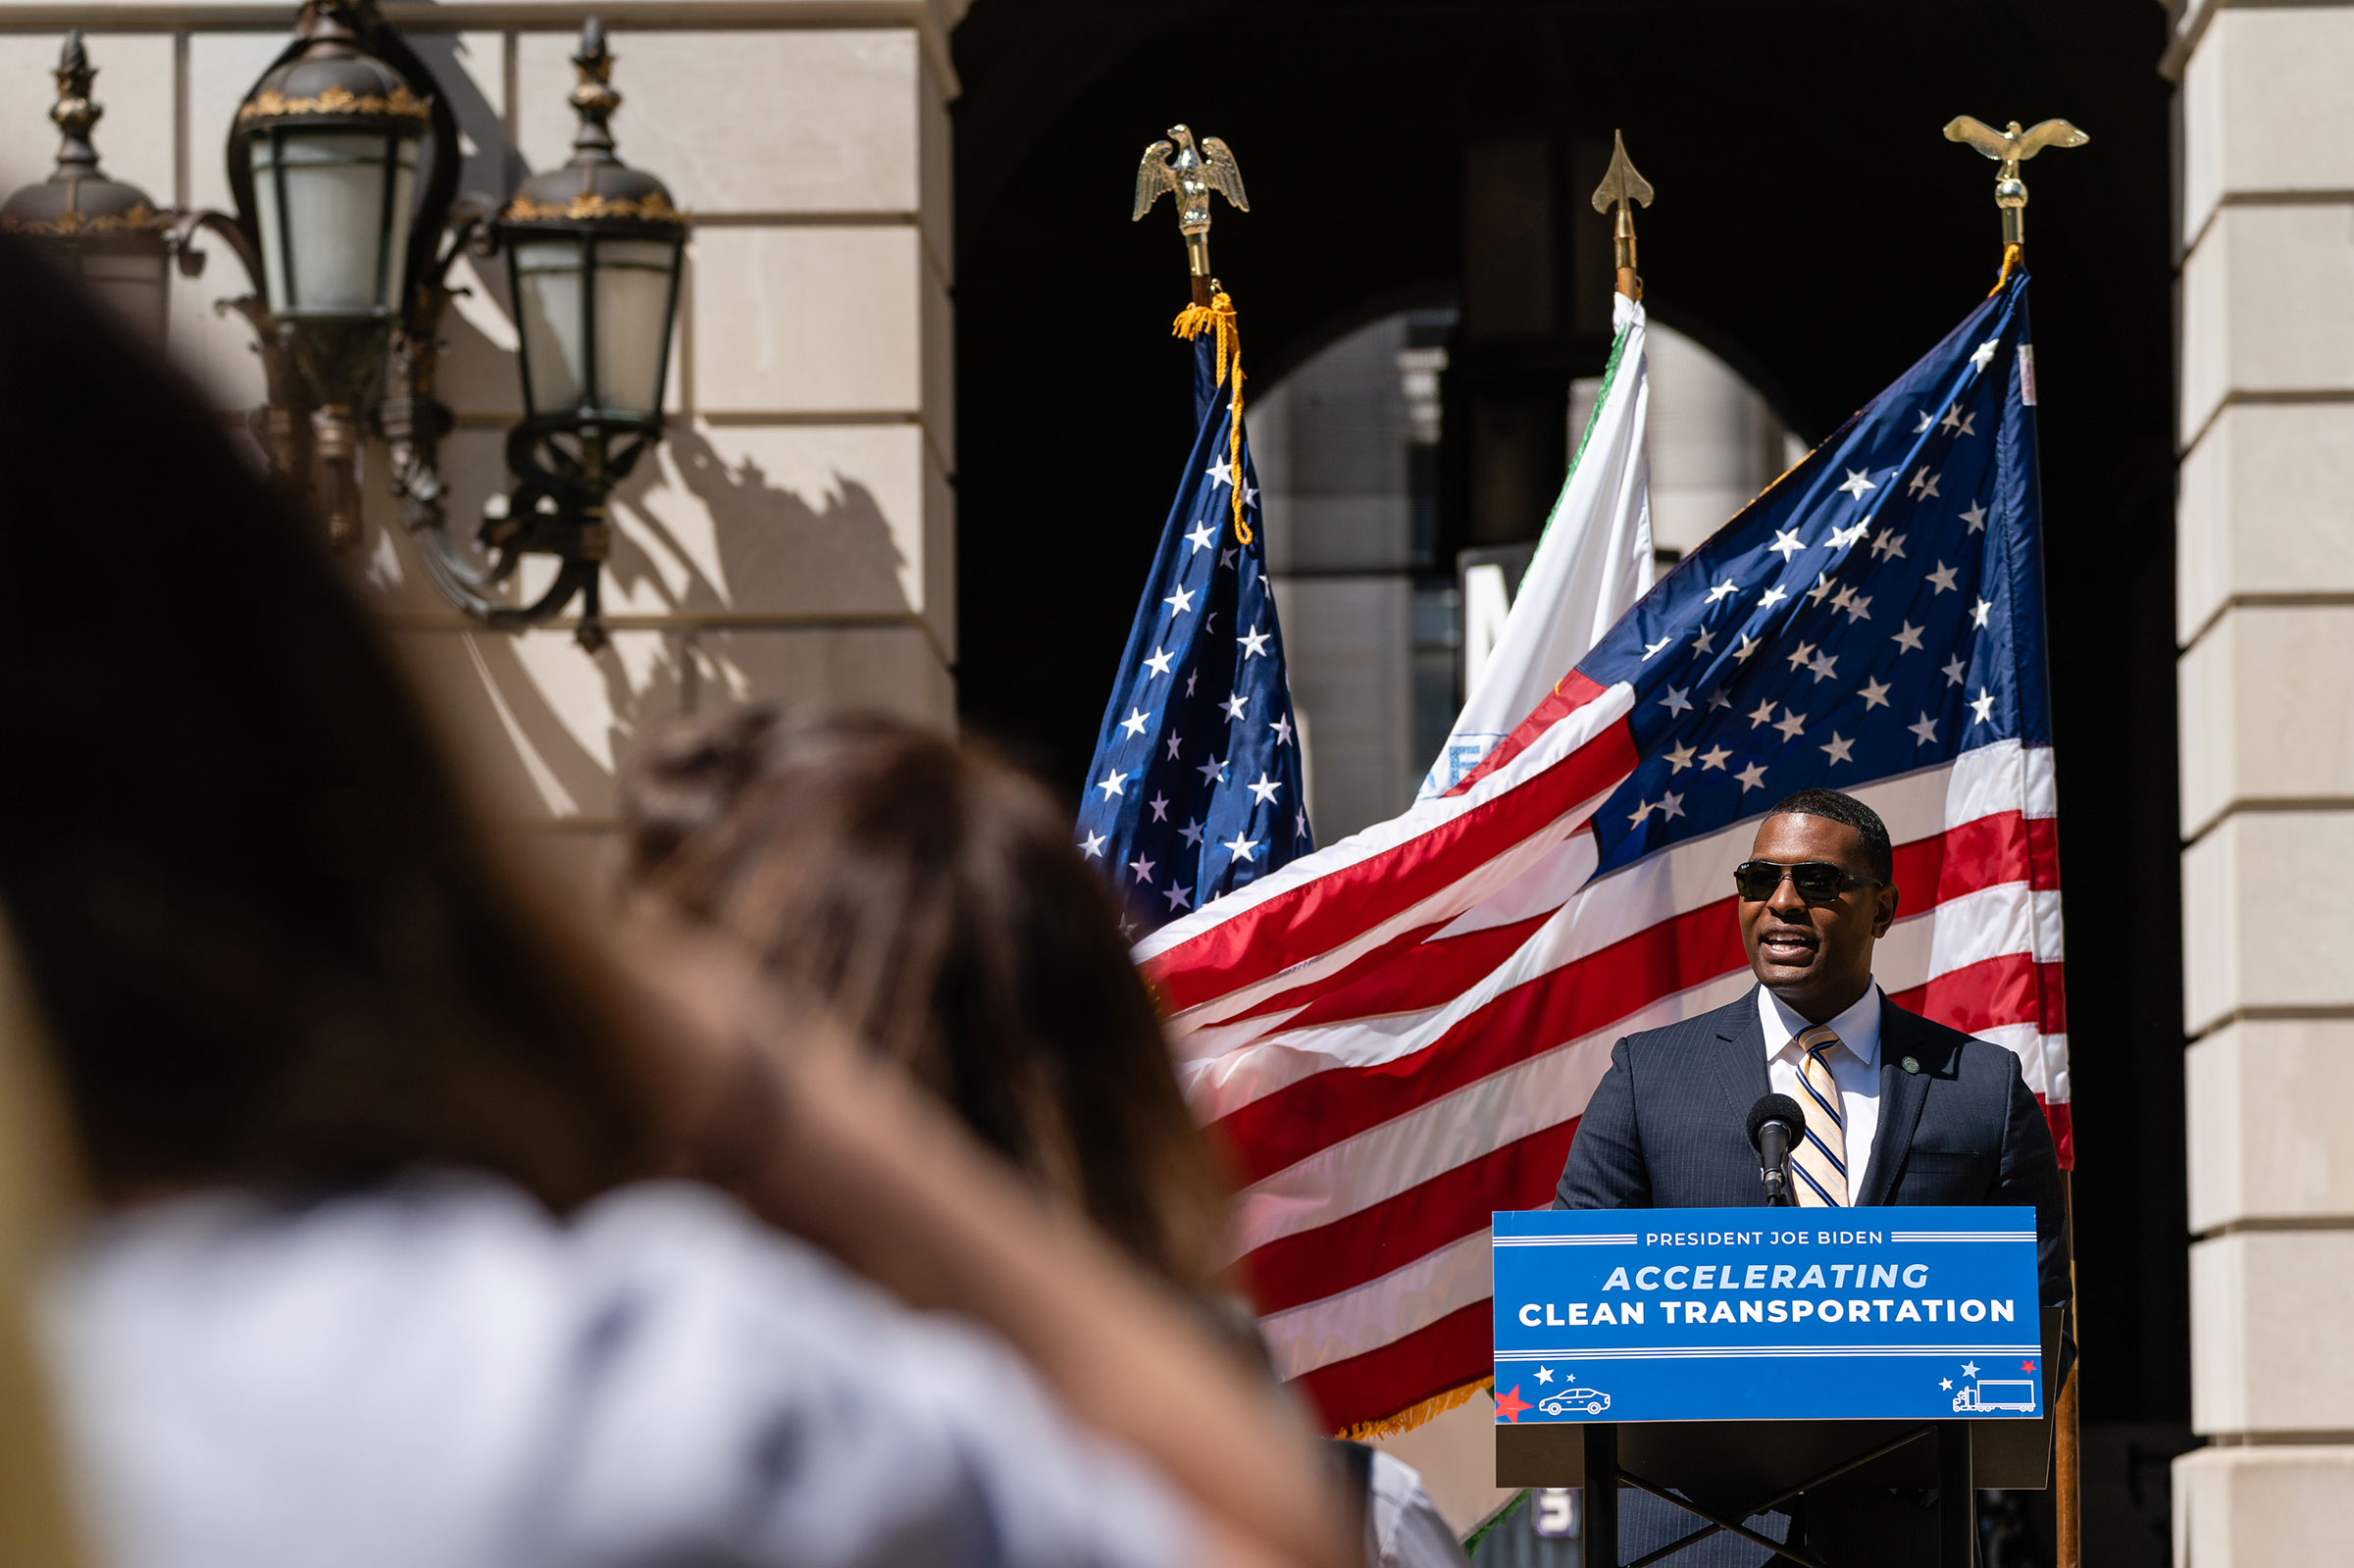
[1902,1095]
[1741,1057]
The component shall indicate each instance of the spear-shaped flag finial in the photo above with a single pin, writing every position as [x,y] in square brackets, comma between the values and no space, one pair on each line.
[1622,187]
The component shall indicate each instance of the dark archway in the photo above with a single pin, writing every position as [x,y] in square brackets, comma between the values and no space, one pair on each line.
[1812,229]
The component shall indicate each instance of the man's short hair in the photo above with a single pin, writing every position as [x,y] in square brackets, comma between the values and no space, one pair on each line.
[1832,805]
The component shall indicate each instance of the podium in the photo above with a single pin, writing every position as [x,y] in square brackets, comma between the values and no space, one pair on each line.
[1730,1360]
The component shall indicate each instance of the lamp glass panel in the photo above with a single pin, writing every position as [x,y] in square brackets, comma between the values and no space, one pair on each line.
[132,286]
[326,210]
[633,322]
[548,309]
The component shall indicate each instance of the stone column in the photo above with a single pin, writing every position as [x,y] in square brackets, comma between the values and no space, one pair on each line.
[2265,581]
[794,536]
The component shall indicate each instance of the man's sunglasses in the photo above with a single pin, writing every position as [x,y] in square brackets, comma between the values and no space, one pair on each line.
[1818,882]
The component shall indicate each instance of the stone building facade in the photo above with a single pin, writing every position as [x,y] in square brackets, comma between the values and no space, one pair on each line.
[795,534]
[2265,626]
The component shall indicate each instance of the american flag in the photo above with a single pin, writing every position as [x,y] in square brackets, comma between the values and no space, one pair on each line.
[1195,790]
[1395,1036]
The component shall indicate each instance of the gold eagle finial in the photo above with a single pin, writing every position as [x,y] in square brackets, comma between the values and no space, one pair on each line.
[2012,147]
[1192,176]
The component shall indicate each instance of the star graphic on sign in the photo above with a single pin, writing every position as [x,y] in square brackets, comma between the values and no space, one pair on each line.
[1840,750]
[1093,850]
[1763,715]
[2027,1366]
[1752,776]
[1858,607]
[1677,700]
[1509,1406]
[1178,897]
[1945,1385]
[1134,722]
[1111,785]
[1744,647]
[1955,671]
[1970,1369]
[1983,356]
[1979,611]
[1678,759]
[1239,847]
[1908,638]
[1771,597]
[1942,579]
[1264,790]
[1805,655]
[1202,537]
[1975,517]
[1856,483]
[1142,868]
[1160,804]
[1926,730]
[1213,771]
[1822,665]
[1723,591]
[1544,1374]
[1191,832]
[1283,729]
[1225,558]
[1158,664]
[1981,707]
[1924,484]
[1841,538]
[1253,644]
[1874,694]
[1175,742]
[1219,473]
[1786,543]
[1670,806]
[1650,648]
[1234,704]
[1790,725]
[1704,640]
[1928,416]
[1889,546]
[1715,757]
[1180,601]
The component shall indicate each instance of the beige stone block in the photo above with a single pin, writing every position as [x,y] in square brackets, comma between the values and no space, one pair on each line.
[895,670]
[134,90]
[2262,1507]
[2264,107]
[1346,648]
[791,121]
[805,320]
[537,724]
[2272,1135]
[2262,710]
[2269,1350]
[2268,914]
[2262,508]
[222,67]
[2262,306]
[787,520]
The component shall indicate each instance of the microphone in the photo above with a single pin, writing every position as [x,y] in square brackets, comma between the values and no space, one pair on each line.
[1775,1124]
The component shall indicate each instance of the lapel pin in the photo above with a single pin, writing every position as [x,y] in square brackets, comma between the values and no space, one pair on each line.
[1909,1065]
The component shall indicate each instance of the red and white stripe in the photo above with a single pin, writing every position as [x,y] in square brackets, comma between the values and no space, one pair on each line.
[1395,1034]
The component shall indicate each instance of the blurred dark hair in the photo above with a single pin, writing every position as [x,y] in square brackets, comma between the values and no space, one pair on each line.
[1834,805]
[268,942]
[930,893]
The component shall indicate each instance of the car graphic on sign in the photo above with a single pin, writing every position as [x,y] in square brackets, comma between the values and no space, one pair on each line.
[1593,1402]
[1989,1393]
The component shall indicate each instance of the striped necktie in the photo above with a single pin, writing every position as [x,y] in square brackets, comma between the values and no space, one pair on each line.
[1821,1159]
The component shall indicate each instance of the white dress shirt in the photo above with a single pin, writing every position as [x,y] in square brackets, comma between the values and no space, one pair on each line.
[1855,1064]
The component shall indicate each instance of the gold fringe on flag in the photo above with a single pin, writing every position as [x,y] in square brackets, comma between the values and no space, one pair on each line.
[1414,1415]
[1219,316]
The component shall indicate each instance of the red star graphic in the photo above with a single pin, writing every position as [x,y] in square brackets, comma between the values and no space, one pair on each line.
[1509,1406]
[2027,1366]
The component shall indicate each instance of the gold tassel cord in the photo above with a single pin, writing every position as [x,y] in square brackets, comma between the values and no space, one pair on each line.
[1218,316]
[1414,1415]
[2012,256]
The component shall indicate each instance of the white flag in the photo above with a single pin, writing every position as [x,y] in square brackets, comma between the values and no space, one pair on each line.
[1591,566]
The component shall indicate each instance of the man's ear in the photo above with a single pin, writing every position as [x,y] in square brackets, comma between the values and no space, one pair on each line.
[1883,914]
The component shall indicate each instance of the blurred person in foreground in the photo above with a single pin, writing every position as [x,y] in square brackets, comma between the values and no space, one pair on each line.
[928,895]
[382,1273]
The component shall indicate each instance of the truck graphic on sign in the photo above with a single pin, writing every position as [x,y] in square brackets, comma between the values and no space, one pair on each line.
[1989,1393]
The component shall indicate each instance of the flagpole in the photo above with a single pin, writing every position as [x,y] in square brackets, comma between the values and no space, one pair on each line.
[2009,147]
[1622,187]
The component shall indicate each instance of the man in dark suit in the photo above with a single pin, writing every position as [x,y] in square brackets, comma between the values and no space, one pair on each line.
[1899,1111]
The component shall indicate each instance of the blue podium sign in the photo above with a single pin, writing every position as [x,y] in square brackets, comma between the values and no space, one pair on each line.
[1767,1315]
